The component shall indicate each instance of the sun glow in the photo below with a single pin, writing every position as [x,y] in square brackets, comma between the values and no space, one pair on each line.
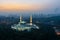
[19,7]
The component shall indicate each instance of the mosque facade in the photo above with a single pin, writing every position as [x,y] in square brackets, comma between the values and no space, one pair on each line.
[22,25]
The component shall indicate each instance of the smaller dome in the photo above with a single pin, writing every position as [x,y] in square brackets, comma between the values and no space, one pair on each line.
[23,22]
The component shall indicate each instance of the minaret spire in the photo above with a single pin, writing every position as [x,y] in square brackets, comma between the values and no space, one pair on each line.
[20,18]
[30,19]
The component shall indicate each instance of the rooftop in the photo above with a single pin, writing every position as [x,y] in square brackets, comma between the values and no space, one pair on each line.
[22,25]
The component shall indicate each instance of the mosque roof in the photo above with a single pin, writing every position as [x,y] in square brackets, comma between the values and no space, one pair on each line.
[22,27]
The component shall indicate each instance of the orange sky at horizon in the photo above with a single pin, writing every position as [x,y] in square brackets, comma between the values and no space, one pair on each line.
[11,7]
[31,5]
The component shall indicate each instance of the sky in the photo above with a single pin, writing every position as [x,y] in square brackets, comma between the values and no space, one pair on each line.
[29,5]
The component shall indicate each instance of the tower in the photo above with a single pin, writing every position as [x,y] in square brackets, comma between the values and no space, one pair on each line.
[30,19]
[20,18]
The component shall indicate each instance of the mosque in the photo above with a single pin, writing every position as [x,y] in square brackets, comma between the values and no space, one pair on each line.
[22,25]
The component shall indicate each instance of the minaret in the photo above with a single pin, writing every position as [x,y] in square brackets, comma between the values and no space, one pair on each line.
[20,18]
[30,19]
